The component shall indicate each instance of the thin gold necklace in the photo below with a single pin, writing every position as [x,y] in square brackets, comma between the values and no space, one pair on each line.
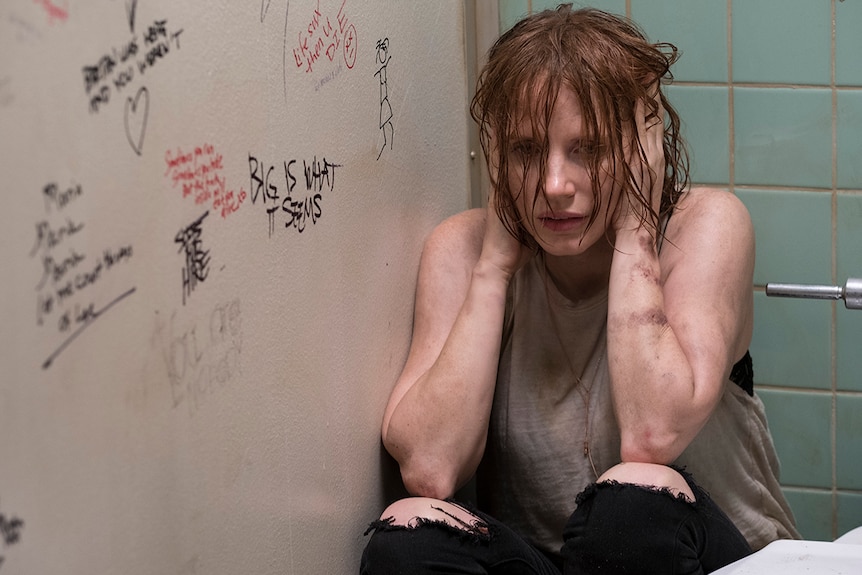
[581,388]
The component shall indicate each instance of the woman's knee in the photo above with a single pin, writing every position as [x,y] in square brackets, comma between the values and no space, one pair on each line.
[635,520]
[419,535]
[413,511]
[650,475]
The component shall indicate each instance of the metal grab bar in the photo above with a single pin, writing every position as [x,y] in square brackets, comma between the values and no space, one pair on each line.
[851,292]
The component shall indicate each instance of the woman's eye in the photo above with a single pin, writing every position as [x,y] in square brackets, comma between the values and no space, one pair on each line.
[587,149]
[525,150]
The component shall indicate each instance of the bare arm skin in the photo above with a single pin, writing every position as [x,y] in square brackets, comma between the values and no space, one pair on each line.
[678,322]
[436,422]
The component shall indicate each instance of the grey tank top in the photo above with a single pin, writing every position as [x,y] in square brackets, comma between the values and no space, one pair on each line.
[535,461]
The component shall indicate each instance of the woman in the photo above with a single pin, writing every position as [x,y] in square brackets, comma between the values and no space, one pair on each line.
[581,345]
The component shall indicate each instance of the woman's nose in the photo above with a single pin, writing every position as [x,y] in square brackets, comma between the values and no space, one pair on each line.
[558,177]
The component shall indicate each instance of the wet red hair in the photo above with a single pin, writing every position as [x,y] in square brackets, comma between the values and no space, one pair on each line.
[610,66]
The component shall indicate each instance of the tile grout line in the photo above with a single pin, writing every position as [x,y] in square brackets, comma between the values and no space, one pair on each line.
[834,331]
[773,85]
[812,489]
[731,168]
[804,390]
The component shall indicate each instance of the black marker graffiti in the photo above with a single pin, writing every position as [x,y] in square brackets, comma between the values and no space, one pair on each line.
[131,7]
[158,41]
[386,126]
[68,273]
[84,317]
[48,237]
[319,177]
[119,67]
[10,529]
[197,259]
[55,269]
[56,199]
[136,120]
[10,532]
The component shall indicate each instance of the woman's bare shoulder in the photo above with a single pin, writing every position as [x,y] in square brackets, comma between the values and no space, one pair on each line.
[458,237]
[709,207]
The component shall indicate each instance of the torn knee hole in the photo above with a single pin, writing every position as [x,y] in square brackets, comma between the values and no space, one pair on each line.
[475,525]
[413,512]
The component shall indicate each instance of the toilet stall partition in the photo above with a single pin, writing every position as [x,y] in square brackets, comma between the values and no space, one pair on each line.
[212,218]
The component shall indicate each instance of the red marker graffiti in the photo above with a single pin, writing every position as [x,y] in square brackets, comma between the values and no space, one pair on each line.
[323,38]
[198,173]
[53,11]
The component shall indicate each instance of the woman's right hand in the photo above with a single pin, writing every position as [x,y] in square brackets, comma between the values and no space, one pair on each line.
[500,248]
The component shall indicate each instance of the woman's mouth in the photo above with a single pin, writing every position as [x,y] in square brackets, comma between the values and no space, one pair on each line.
[562,222]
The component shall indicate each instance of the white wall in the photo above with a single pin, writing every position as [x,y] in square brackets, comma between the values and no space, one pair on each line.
[231,424]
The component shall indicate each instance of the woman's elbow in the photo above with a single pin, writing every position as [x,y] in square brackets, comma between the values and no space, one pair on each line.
[428,480]
[421,474]
[650,446]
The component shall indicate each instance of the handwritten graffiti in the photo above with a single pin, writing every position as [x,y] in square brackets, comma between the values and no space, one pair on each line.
[264,8]
[53,11]
[131,9]
[198,173]
[386,126]
[122,65]
[298,209]
[49,236]
[10,532]
[83,317]
[68,271]
[324,38]
[135,119]
[332,75]
[197,259]
[201,357]
[58,199]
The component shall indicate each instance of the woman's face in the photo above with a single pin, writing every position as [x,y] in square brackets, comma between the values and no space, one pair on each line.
[559,222]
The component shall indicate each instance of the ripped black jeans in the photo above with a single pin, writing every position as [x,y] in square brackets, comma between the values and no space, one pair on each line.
[616,529]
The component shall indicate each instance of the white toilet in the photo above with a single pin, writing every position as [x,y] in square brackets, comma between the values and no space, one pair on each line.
[787,557]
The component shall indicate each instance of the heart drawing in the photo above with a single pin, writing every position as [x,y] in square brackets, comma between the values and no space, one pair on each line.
[137,110]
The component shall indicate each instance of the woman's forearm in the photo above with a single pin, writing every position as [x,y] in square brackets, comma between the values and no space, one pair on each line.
[437,432]
[651,379]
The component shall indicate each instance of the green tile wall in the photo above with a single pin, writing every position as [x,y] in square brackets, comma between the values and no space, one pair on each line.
[783,136]
[848,43]
[781,41]
[813,511]
[849,511]
[797,324]
[770,92]
[708,135]
[849,126]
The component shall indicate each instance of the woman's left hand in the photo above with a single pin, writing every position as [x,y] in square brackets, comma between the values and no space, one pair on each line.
[647,166]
